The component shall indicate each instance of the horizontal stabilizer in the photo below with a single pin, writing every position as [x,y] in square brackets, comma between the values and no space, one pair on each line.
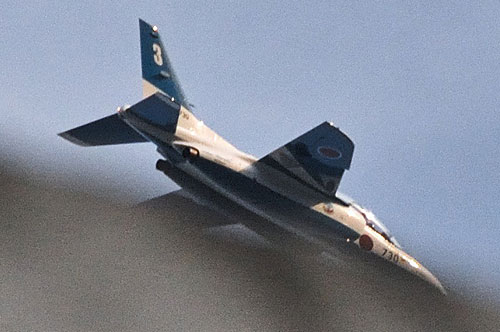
[106,131]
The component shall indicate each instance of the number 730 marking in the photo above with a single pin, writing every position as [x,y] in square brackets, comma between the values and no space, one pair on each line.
[390,255]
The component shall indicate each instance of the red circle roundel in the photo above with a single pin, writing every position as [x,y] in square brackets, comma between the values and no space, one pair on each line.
[329,152]
[366,242]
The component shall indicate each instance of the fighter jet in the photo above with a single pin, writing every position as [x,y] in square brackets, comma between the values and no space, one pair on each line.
[293,189]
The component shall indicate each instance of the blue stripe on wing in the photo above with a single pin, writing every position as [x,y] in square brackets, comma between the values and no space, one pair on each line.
[318,158]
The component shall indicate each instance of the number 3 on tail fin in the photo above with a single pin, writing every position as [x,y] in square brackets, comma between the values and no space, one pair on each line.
[157,71]
[157,54]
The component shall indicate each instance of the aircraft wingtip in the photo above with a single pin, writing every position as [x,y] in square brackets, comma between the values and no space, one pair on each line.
[67,136]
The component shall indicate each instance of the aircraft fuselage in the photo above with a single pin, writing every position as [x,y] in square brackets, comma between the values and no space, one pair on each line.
[327,223]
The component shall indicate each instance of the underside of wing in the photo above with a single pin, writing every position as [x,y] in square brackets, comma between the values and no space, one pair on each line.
[317,159]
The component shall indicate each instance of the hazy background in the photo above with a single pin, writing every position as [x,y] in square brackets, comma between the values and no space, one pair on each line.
[71,261]
[415,86]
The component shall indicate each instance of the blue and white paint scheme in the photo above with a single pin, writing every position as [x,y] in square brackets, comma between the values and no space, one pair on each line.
[293,189]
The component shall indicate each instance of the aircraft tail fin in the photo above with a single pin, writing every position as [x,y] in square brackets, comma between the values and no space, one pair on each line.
[157,71]
[157,76]
[106,131]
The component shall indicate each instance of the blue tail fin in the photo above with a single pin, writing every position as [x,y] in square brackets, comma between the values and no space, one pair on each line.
[157,72]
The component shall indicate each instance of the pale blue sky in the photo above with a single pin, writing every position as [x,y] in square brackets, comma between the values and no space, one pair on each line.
[415,86]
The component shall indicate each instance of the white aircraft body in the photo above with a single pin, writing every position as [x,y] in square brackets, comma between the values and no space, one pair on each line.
[293,189]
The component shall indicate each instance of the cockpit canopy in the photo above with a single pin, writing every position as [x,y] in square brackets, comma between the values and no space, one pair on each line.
[371,219]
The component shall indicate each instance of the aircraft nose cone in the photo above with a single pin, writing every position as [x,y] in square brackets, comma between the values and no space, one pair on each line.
[429,277]
[412,265]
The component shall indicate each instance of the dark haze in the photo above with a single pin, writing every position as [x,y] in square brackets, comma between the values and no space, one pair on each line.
[73,262]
